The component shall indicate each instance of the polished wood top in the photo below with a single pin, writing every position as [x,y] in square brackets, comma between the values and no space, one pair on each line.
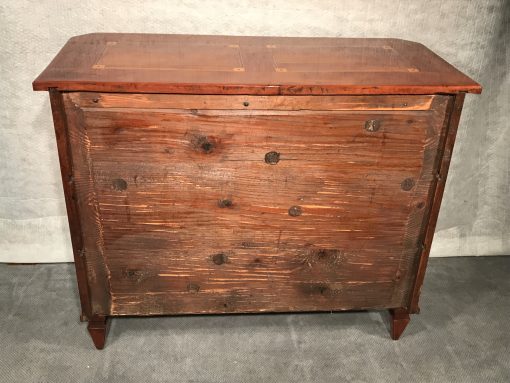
[150,63]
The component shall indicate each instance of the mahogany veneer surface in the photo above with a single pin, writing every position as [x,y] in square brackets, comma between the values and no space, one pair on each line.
[113,62]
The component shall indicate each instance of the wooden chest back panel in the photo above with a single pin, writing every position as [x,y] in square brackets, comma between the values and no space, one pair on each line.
[183,214]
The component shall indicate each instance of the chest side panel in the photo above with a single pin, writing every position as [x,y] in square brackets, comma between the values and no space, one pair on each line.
[215,204]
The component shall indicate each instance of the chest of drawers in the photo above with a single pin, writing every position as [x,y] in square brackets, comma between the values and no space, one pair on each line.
[214,174]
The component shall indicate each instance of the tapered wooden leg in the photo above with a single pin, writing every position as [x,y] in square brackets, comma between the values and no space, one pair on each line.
[98,329]
[399,320]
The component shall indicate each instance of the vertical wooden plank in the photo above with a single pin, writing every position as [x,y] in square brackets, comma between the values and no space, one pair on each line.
[454,117]
[93,246]
[424,189]
[73,214]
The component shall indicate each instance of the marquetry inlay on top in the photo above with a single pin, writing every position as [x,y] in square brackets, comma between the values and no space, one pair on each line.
[147,63]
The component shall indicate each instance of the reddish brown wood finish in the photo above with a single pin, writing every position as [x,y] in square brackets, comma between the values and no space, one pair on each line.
[291,197]
[399,321]
[156,224]
[145,63]
[98,327]
[86,204]
[73,213]
[248,102]
[450,132]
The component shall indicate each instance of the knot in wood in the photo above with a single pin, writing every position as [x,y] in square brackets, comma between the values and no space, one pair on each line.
[119,184]
[205,144]
[372,125]
[295,211]
[223,203]
[207,147]
[193,288]
[272,158]
[407,184]
[219,259]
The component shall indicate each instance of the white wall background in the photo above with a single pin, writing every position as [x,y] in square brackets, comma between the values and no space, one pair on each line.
[472,35]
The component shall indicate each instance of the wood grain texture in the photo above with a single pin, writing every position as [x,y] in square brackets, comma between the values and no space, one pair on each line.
[450,133]
[215,174]
[247,102]
[186,216]
[87,205]
[73,214]
[148,63]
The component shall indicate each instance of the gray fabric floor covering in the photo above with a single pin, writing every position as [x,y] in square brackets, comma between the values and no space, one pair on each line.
[461,335]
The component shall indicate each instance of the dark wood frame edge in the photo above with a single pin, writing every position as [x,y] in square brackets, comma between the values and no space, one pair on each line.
[98,328]
[73,216]
[445,157]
